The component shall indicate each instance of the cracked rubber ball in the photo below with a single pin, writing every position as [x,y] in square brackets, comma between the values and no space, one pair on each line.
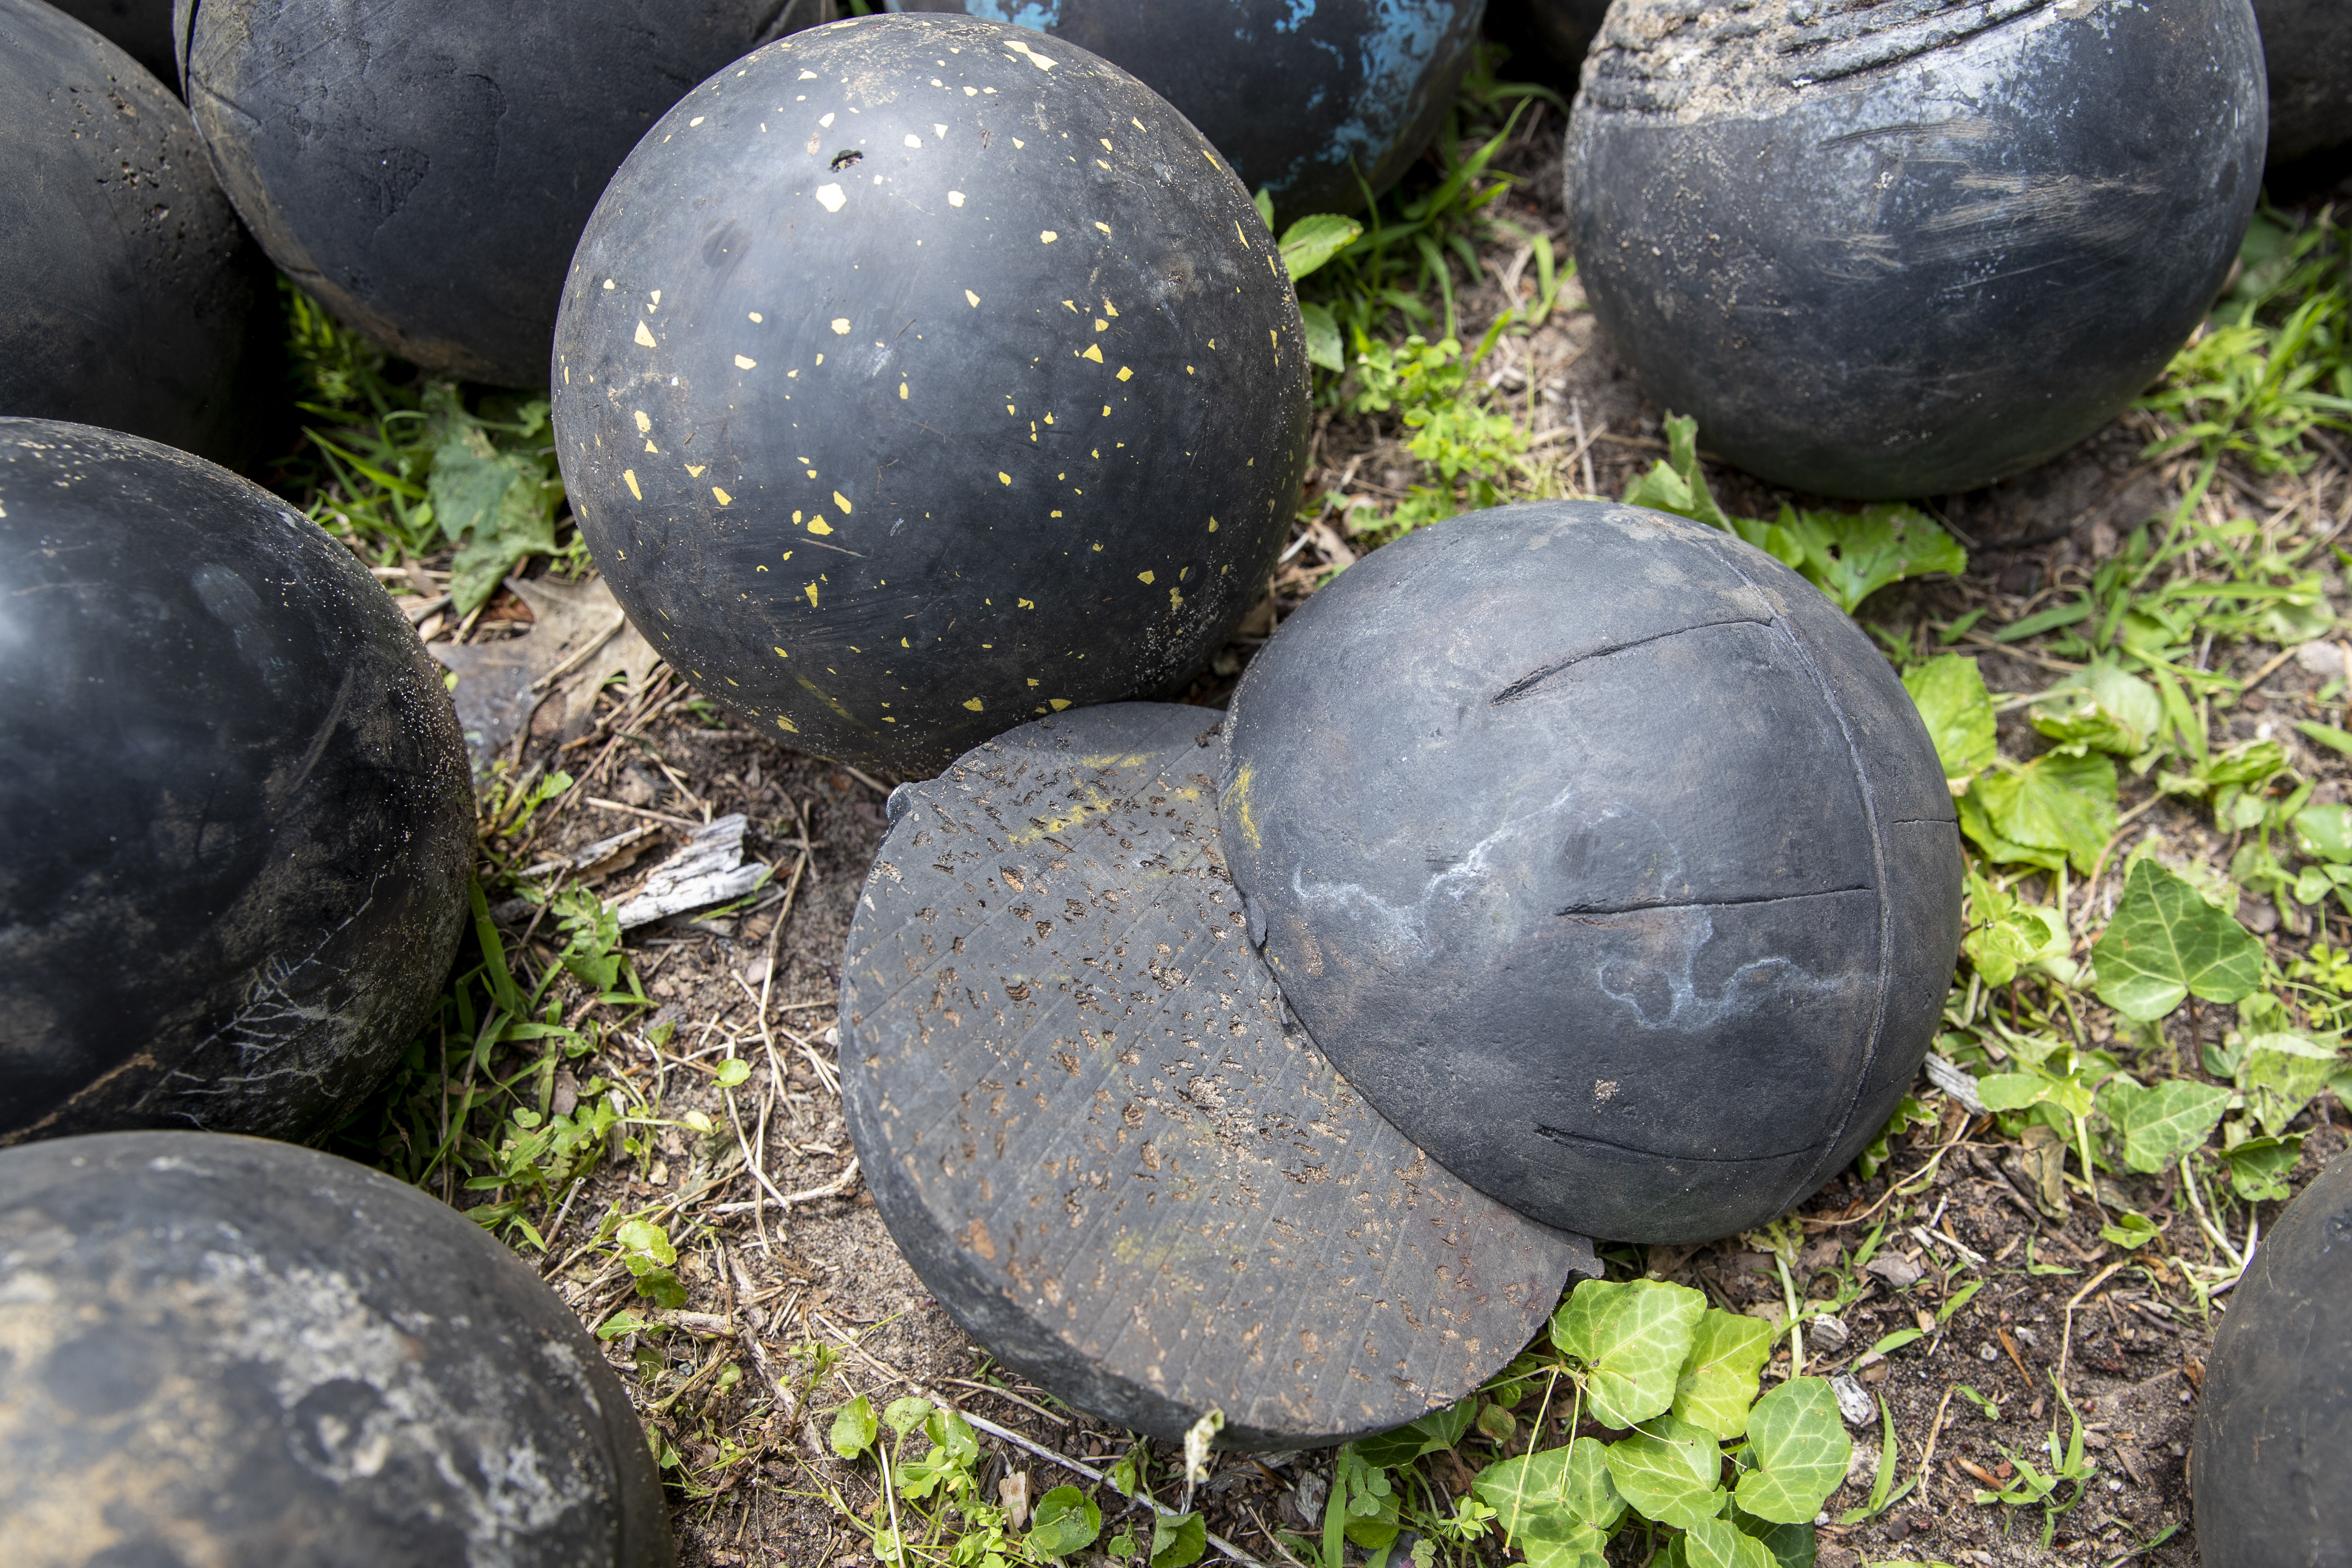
[1605,856]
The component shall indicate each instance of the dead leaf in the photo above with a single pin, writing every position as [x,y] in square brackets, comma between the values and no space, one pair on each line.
[579,639]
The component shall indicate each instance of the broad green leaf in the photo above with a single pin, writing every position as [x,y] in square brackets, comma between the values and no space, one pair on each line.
[1676,484]
[2101,709]
[2013,1091]
[853,1428]
[1066,1521]
[2258,1166]
[2326,832]
[2167,943]
[733,1071]
[2052,808]
[1574,1546]
[624,1321]
[2130,1230]
[1324,347]
[1671,1470]
[2005,934]
[1799,1444]
[1785,1545]
[1178,1542]
[1720,1376]
[2280,1074]
[1552,1493]
[1952,697]
[2161,1123]
[1852,554]
[1441,1428]
[1719,1543]
[1634,1336]
[903,1415]
[1314,240]
[645,1246]
[495,506]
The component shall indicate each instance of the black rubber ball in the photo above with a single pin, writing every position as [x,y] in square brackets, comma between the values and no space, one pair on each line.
[229,1350]
[236,822]
[2308,48]
[425,168]
[126,284]
[921,375]
[1888,249]
[1605,857]
[2272,1460]
[141,28]
[1311,101]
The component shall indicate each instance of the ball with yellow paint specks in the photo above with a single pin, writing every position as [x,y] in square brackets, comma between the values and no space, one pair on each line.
[226,1350]
[1605,856]
[1311,100]
[1026,410]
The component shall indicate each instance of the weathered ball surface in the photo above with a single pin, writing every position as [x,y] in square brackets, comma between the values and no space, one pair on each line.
[921,375]
[126,284]
[218,1349]
[2273,1459]
[1605,857]
[1312,101]
[2307,50]
[1886,249]
[236,821]
[425,168]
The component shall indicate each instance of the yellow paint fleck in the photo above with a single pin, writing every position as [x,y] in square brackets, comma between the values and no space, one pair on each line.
[1056,513]
[913,139]
[781,654]
[841,326]
[817,525]
[1003,475]
[608,283]
[1026,604]
[1058,703]
[1105,227]
[1101,325]
[842,502]
[811,591]
[1047,236]
[955,198]
[644,338]
[1106,416]
[1104,140]
[696,120]
[1243,238]
[1237,802]
[724,498]
[1144,578]
[651,447]
[973,702]
[756,317]
[787,724]
[743,364]
[1212,524]
[1110,309]
[968,294]
[694,470]
[902,391]
[644,424]
[1125,375]
[830,198]
[1175,600]
[1092,352]
[1274,338]
[629,478]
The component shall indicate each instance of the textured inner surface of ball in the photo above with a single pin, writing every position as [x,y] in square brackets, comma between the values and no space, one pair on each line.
[1605,856]
[224,1350]
[236,822]
[1890,250]
[921,376]
[1312,102]
[126,285]
[425,168]
[2273,1459]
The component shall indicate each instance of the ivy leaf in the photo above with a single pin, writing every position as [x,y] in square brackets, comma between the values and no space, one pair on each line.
[2100,709]
[2007,934]
[1852,554]
[1178,1542]
[497,508]
[1785,1545]
[1671,1470]
[853,1428]
[1720,1377]
[1563,1486]
[2326,832]
[1066,1521]
[2049,810]
[1799,1444]
[2279,1074]
[2161,1123]
[1951,697]
[1324,347]
[2165,943]
[1316,240]
[1634,1336]
[2258,1166]
[903,1415]
[1719,1543]
[1441,1428]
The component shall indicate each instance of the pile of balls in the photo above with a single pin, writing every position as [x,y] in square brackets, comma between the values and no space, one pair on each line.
[930,389]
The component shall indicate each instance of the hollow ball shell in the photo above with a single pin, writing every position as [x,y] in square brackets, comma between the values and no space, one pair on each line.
[1605,857]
